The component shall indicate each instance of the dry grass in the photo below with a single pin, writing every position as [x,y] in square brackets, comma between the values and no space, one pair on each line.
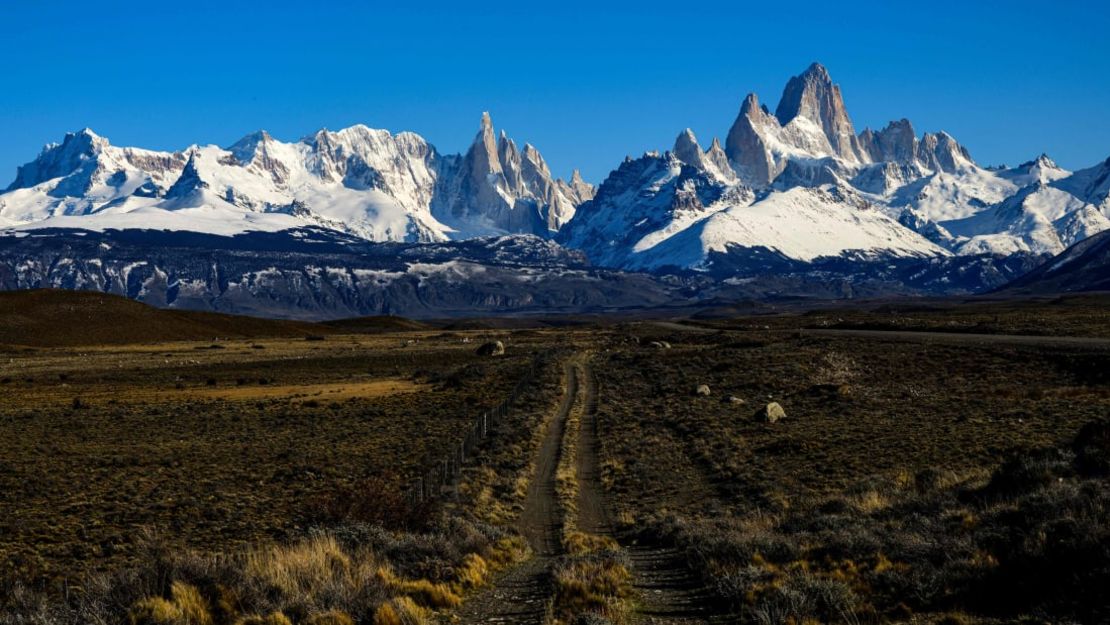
[862,506]
[79,478]
[592,583]
[185,606]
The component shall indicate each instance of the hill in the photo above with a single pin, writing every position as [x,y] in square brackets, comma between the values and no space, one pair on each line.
[377,323]
[1084,266]
[55,318]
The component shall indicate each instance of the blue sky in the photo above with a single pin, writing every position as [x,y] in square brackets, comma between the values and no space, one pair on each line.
[587,83]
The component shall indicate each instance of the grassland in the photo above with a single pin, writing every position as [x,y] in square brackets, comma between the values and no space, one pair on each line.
[223,445]
[262,479]
[872,501]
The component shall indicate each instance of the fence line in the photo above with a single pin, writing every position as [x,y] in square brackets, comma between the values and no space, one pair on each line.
[443,475]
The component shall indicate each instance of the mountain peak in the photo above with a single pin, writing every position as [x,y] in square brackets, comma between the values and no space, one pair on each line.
[687,150]
[816,71]
[60,159]
[685,139]
[1044,161]
[751,103]
[487,121]
[813,96]
[88,133]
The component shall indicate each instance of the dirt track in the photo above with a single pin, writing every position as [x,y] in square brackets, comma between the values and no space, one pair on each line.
[667,591]
[520,596]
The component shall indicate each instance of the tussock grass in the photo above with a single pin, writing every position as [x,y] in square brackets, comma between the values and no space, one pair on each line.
[595,583]
[1030,538]
[185,606]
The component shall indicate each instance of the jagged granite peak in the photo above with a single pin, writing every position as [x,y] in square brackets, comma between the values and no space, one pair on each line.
[497,189]
[482,156]
[941,152]
[687,150]
[896,143]
[580,188]
[716,155]
[813,96]
[747,146]
[189,181]
[357,180]
[59,159]
[255,151]
[509,157]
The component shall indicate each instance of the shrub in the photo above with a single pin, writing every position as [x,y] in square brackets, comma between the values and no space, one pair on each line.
[400,611]
[377,500]
[274,618]
[595,583]
[185,606]
[331,617]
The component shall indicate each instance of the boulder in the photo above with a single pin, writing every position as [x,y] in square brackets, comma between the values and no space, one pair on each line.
[738,401]
[703,390]
[492,348]
[771,413]
[660,344]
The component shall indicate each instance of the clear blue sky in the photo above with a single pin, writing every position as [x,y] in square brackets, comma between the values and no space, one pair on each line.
[587,83]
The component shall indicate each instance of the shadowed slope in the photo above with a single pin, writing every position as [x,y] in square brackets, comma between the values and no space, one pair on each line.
[55,318]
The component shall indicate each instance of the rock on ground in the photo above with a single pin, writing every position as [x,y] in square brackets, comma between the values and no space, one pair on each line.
[771,413]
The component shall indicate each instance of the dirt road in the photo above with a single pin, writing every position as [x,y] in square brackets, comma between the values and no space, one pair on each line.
[520,596]
[667,591]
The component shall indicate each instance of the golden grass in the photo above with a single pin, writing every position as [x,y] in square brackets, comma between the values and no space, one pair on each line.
[423,592]
[302,392]
[185,606]
[274,618]
[592,585]
[305,568]
[400,611]
[331,617]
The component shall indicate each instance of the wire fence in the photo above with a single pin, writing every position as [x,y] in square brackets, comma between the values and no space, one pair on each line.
[443,476]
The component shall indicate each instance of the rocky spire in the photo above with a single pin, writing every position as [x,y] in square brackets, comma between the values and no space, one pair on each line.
[940,152]
[897,142]
[189,180]
[508,156]
[714,161]
[717,157]
[813,95]
[745,145]
[482,155]
[582,190]
[687,150]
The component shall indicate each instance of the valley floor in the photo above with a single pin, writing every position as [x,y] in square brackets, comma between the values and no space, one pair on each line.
[917,476]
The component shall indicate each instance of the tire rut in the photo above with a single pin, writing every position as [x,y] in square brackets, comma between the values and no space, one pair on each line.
[520,595]
[668,592]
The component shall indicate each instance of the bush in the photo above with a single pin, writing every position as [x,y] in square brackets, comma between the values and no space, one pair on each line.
[185,606]
[377,501]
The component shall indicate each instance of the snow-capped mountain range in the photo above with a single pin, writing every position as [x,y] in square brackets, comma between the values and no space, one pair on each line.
[369,183]
[802,184]
[796,191]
